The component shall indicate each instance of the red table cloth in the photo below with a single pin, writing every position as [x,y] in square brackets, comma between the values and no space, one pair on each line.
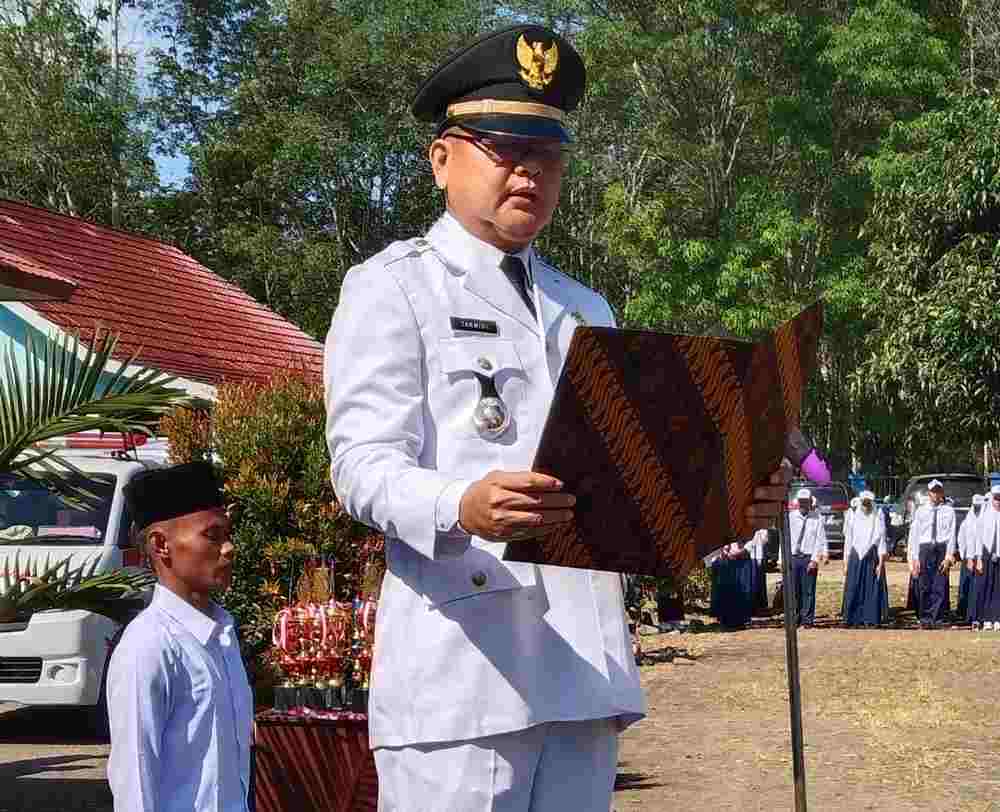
[314,763]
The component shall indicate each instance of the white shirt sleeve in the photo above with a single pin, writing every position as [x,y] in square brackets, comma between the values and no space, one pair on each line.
[950,530]
[880,540]
[984,537]
[139,704]
[822,549]
[913,537]
[375,419]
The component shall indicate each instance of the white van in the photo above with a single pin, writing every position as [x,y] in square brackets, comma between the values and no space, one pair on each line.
[59,657]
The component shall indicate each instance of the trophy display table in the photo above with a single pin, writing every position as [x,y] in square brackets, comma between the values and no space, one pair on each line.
[314,761]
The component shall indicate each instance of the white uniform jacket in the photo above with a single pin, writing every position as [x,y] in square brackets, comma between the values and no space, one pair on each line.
[467,645]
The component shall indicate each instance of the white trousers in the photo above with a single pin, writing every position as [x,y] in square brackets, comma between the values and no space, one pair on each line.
[552,767]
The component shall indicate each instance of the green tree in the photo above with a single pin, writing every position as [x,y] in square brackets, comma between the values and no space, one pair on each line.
[934,231]
[304,157]
[66,138]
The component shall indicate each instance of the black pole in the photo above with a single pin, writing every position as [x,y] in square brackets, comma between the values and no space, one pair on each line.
[792,661]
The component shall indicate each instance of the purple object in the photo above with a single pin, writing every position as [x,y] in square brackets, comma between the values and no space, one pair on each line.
[814,467]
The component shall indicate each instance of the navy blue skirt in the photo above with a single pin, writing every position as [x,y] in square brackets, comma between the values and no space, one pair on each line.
[987,593]
[964,591]
[866,596]
[732,591]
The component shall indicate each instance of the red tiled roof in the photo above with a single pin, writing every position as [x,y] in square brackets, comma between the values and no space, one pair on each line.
[22,279]
[183,319]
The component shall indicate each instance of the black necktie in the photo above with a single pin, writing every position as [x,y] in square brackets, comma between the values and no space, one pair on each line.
[518,276]
[797,550]
[934,527]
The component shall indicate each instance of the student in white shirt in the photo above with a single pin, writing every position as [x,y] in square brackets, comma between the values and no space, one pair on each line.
[930,547]
[809,549]
[965,557]
[865,552]
[756,548]
[987,585]
[179,702]
[732,585]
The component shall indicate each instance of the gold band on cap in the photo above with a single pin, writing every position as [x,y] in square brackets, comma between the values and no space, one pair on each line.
[485,107]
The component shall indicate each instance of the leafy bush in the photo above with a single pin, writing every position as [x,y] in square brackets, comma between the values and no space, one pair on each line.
[269,439]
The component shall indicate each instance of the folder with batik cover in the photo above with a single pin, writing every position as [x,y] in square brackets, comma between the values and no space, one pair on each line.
[663,438]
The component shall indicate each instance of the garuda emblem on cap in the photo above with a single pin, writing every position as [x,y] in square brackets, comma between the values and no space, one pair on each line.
[538,64]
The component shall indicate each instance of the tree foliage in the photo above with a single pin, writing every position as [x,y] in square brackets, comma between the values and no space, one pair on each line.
[735,161]
[68,136]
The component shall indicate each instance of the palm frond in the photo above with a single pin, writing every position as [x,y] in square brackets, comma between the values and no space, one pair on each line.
[42,586]
[63,388]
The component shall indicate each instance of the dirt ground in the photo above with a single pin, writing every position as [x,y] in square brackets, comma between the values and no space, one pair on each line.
[894,719]
[49,764]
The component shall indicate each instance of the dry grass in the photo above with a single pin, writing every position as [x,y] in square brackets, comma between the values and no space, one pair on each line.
[895,719]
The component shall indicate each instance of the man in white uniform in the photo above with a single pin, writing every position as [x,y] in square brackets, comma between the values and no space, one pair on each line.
[496,685]
[930,547]
[179,701]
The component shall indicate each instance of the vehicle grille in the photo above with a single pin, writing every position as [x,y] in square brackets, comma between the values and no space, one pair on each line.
[20,669]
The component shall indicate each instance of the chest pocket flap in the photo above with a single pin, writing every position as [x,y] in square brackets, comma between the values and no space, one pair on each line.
[486,356]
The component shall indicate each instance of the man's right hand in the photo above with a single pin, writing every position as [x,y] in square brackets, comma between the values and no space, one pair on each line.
[915,569]
[509,506]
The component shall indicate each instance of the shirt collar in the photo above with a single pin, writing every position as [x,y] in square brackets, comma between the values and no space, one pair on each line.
[201,626]
[463,250]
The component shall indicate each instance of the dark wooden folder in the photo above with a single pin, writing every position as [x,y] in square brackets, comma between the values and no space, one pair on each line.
[662,438]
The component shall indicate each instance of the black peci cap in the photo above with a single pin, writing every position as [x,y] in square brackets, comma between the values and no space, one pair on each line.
[519,82]
[166,493]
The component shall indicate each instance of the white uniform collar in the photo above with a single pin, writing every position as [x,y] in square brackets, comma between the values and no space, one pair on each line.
[465,251]
[201,626]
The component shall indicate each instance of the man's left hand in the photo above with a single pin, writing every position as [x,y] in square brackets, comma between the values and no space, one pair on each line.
[945,566]
[769,500]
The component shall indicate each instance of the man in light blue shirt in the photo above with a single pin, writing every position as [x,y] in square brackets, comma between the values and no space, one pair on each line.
[179,702]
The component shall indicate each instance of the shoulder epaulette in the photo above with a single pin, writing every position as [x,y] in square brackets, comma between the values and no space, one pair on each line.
[405,248]
[561,274]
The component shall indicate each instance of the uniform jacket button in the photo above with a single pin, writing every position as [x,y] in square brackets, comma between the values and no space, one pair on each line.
[479,578]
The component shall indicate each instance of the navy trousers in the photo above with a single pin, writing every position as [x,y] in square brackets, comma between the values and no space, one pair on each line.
[804,583]
[759,587]
[933,599]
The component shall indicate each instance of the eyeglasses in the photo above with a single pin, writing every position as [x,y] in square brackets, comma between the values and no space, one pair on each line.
[515,153]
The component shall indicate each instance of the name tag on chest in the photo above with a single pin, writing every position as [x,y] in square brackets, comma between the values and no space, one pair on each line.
[482,326]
